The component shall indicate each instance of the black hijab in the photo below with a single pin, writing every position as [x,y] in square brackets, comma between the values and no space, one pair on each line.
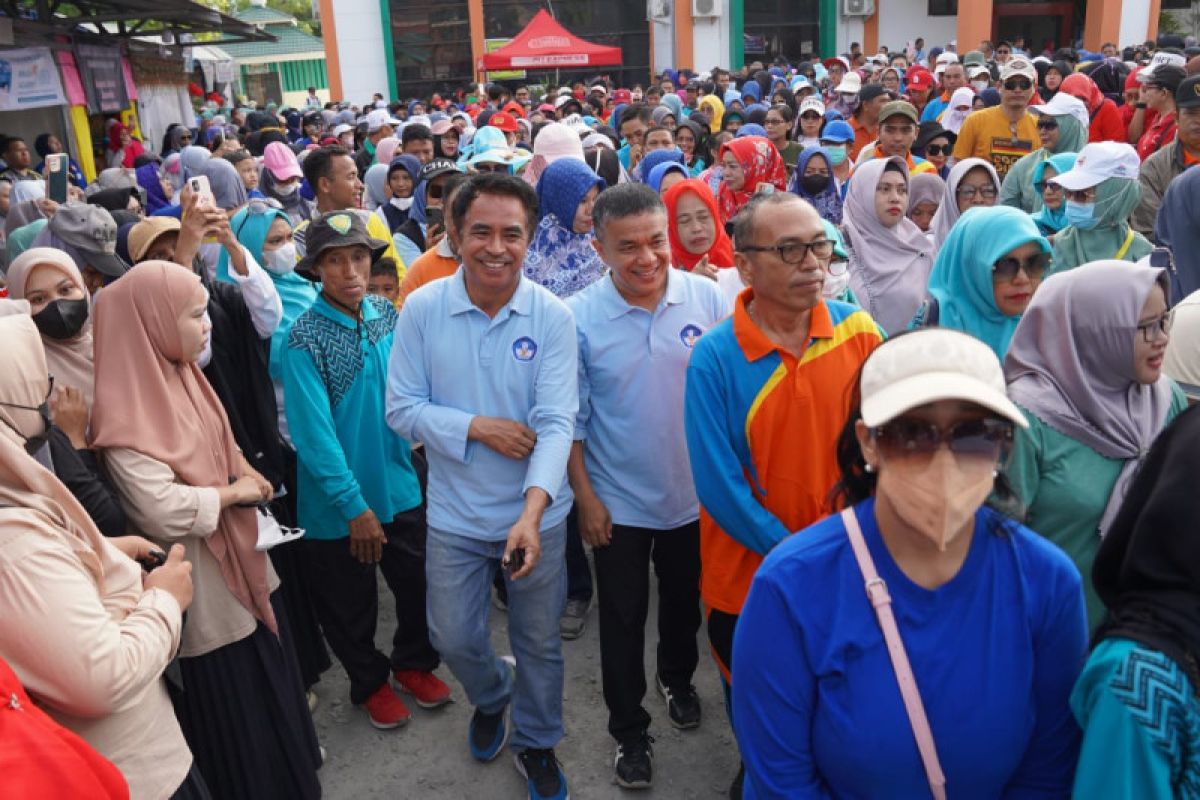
[1147,571]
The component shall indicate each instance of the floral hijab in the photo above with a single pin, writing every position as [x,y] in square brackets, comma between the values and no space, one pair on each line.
[761,163]
[560,259]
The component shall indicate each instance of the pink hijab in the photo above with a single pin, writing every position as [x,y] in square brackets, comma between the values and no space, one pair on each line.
[70,360]
[149,400]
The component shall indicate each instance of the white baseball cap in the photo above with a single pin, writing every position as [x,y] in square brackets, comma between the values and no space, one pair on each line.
[1097,162]
[343,128]
[979,70]
[1161,59]
[851,84]
[947,58]
[812,104]
[378,118]
[1019,66]
[928,365]
[1063,104]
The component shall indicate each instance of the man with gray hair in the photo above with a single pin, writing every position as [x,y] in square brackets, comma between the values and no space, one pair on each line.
[768,391]
[637,327]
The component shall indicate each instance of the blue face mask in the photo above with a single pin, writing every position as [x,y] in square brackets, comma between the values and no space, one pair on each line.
[1081,215]
[837,154]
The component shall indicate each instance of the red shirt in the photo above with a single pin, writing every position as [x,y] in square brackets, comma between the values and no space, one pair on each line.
[1106,124]
[1161,133]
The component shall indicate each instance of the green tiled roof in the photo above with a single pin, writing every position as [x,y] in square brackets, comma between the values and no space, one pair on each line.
[261,15]
[292,41]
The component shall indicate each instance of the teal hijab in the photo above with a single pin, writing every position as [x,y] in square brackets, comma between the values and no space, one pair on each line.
[1116,198]
[962,273]
[1019,184]
[1046,219]
[296,294]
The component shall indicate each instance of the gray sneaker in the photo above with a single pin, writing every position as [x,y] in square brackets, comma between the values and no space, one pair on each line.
[574,618]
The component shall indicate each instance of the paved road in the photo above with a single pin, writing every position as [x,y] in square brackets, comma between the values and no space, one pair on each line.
[428,758]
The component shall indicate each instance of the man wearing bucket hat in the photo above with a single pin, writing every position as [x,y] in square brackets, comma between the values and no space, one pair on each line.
[358,496]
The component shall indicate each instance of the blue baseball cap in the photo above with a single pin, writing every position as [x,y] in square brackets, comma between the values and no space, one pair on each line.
[837,131]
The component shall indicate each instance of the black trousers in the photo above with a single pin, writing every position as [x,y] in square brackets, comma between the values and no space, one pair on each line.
[346,599]
[623,581]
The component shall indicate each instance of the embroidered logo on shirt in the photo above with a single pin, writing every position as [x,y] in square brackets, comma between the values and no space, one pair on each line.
[690,335]
[524,349]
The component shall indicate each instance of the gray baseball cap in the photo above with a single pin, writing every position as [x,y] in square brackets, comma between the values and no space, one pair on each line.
[91,233]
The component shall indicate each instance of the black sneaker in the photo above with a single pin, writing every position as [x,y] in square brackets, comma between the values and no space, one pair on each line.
[634,764]
[545,777]
[683,704]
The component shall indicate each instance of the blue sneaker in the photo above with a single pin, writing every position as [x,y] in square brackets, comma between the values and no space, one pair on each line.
[487,734]
[543,773]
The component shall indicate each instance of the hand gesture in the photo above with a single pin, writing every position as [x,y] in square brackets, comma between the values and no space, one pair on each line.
[70,412]
[173,577]
[524,535]
[367,538]
[704,268]
[505,436]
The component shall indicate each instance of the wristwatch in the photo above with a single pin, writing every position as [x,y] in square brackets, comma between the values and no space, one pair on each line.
[1139,105]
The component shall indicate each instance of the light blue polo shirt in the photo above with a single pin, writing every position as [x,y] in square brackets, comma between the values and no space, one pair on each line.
[451,362]
[632,366]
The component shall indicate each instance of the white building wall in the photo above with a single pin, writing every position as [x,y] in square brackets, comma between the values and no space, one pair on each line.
[664,44]
[710,39]
[364,66]
[900,22]
[1135,23]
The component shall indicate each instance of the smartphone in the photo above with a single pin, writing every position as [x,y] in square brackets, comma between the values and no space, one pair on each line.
[56,177]
[1160,258]
[515,560]
[764,188]
[203,191]
[434,216]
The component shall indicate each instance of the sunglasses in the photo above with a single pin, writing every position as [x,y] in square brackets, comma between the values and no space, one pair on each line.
[938,150]
[916,440]
[1018,84]
[1047,125]
[1005,269]
[811,116]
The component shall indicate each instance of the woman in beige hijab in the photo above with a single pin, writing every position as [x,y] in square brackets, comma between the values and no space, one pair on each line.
[169,449]
[86,630]
[61,307]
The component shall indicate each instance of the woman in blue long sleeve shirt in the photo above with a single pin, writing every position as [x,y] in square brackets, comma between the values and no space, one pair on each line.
[991,615]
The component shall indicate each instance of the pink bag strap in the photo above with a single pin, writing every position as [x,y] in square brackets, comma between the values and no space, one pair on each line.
[877,593]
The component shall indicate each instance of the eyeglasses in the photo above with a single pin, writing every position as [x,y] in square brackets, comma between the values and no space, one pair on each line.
[1044,186]
[1155,328]
[968,192]
[1018,84]
[938,149]
[1005,269]
[488,166]
[1083,195]
[1047,125]
[795,252]
[918,440]
[1004,52]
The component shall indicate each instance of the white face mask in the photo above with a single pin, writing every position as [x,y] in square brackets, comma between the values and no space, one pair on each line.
[980,85]
[835,284]
[281,261]
[286,189]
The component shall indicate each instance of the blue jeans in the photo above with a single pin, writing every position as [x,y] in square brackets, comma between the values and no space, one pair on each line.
[458,573]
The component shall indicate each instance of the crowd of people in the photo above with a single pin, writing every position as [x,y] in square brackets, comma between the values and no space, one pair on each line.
[919,322]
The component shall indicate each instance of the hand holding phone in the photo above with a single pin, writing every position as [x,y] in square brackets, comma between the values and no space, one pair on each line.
[202,191]
[57,165]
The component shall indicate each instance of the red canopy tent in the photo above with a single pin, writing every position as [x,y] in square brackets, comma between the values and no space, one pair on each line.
[544,44]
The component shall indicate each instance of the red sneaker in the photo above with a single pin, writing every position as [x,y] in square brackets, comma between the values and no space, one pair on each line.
[426,688]
[386,709]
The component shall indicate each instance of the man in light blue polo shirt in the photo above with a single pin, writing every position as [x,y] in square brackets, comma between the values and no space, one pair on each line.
[484,373]
[629,464]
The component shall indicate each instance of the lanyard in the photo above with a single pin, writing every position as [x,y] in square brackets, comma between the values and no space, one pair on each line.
[1125,245]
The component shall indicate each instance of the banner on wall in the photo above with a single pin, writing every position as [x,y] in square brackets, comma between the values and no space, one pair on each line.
[29,79]
[491,46]
[103,78]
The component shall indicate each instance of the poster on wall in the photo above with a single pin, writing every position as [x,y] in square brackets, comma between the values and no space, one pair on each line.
[29,79]
[103,80]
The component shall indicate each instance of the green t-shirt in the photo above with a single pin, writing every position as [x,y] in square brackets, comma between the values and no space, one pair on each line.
[1063,487]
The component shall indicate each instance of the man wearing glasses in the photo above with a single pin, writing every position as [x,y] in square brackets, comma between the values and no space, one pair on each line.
[1004,133]
[767,392]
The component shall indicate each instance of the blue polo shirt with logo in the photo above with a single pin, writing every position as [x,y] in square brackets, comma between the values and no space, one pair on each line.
[450,363]
[632,368]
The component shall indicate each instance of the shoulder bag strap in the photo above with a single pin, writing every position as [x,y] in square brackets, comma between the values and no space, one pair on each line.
[1125,245]
[877,593]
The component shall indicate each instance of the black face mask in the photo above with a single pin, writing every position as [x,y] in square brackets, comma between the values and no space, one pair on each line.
[62,319]
[814,184]
[35,442]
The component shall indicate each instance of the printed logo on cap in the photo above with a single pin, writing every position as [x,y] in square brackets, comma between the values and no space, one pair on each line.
[524,349]
[340,223]
[689,335]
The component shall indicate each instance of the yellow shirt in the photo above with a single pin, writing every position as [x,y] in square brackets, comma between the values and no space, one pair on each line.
[375,226]
[987,134]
